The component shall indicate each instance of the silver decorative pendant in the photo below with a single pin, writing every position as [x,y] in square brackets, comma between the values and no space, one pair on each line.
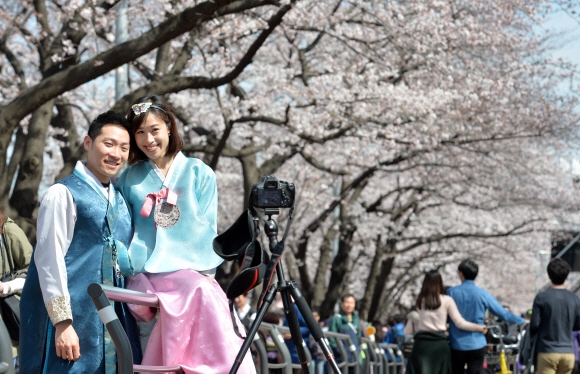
[166,215]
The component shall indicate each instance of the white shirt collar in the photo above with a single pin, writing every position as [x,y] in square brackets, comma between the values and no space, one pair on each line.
[107,191]
[243,311]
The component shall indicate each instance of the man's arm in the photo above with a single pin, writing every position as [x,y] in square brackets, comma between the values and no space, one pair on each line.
[21,251]
[499,311]
[333,327]
[536,317]
[55,228]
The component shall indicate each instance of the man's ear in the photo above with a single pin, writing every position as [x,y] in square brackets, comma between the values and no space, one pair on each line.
[87,142]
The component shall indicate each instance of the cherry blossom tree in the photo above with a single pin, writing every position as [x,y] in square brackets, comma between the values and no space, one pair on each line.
[417,133]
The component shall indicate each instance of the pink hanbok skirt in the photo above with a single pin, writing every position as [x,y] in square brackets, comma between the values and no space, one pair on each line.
[194,329]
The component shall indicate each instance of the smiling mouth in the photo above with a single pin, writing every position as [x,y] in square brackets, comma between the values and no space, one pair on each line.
[152,149]
[112,163]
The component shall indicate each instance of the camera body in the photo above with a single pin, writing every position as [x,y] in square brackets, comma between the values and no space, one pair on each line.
[269,192]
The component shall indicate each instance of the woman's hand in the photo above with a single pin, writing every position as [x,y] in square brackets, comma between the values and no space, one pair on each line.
[67,342]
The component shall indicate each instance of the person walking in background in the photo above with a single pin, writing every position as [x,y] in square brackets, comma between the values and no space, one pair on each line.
[431,353]
[288,337]
[468,348]
[315,350]
[576,341]
[16,252]
[346,321]
[246,312]
[173,204]
[555,315]
[80,219]
[396,333]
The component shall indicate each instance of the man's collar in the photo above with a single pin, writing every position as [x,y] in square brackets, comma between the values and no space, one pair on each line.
[468,281]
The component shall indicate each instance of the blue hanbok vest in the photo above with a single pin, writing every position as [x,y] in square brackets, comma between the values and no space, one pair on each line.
[85,260]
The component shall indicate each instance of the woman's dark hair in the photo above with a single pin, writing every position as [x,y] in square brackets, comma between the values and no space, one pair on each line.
[469,269]
[430,296]
[163,111]
[558,271]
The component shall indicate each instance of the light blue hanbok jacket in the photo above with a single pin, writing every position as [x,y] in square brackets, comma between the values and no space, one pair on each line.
[188,243]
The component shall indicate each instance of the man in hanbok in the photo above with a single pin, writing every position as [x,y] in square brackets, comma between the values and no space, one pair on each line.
[82,224]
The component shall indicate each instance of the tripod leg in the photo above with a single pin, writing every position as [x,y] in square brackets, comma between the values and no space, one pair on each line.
[254,328]
[295,332]
[313,326]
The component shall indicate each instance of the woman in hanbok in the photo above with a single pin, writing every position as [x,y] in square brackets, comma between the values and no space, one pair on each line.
[173,202]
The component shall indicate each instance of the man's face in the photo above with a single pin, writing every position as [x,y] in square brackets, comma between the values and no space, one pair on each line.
[316,316]
[108,152]
[241,301]
[348,305]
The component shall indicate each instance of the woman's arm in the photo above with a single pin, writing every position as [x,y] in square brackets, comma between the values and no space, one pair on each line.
[207,196]
[456,317]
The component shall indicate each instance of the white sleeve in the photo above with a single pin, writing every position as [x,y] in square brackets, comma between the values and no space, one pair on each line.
[15,285]
[54,232]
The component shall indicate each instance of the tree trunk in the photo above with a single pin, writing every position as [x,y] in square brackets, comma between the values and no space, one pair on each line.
[291,267]
[251,175]
[316,295]
[163,59]
[17,152]
[375,284]
[379,289]
[339,270]
[73,149]
[25,195]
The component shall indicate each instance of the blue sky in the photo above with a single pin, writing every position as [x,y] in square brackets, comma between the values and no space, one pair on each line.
[564,28]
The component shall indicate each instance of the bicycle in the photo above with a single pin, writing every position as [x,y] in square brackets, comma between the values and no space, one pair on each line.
[505,354]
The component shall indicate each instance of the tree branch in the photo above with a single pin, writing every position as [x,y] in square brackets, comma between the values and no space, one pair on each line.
[75,76]
[176,83]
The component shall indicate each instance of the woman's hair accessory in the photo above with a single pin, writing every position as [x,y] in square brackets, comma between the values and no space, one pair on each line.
[140,108]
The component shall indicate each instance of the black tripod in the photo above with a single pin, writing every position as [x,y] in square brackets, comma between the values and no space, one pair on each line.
[286,288]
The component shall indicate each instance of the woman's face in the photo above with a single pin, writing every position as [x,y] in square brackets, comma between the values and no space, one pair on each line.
[152,137]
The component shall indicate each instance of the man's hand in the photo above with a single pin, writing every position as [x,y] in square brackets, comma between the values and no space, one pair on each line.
[67,342]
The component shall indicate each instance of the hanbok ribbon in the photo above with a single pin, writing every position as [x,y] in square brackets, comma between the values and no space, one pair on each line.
[155,198]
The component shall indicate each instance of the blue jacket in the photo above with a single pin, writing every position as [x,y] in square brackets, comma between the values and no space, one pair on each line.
[303,330]
[472,303]
[397,330]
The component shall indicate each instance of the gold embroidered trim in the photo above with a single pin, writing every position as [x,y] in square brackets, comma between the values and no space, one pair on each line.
[59,309]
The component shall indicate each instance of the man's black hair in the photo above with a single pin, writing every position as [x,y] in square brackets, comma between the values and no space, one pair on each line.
[558,271]
[107,118]
[469,269]
[347,295]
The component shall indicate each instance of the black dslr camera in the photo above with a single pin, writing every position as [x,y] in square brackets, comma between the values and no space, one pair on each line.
[269,192]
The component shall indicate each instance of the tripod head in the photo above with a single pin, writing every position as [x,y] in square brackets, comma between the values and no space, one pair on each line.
[271,227]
